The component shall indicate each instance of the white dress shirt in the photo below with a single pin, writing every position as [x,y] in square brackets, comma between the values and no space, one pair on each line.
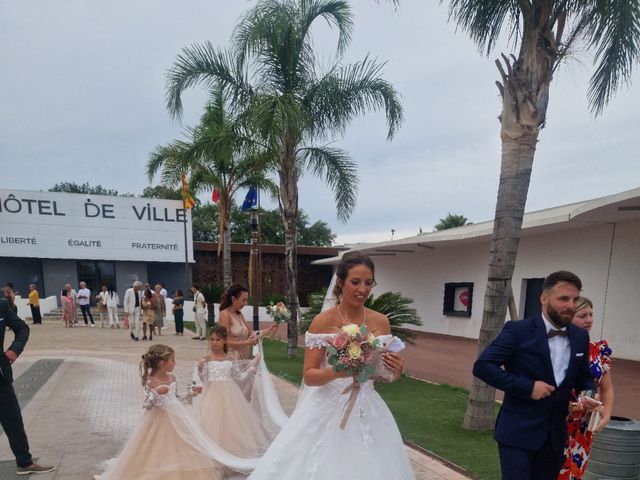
[560,350]
[84,292]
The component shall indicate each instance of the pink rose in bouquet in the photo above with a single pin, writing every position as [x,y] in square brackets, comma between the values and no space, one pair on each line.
[340,341]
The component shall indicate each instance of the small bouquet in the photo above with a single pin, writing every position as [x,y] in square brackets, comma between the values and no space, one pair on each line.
[278,312]
[351,351]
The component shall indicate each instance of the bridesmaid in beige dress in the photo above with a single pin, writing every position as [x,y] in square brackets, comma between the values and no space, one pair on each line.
[240,334]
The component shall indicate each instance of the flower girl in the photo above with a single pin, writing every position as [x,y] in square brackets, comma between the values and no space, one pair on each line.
[224,413]
[168,444]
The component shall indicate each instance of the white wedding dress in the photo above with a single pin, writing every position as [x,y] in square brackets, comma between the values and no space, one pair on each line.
[312,446]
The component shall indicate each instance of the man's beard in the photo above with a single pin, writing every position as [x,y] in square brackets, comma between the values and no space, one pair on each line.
[558,319]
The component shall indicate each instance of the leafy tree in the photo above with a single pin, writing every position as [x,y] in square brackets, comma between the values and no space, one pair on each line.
[318,234]
[546,32]
[291,103]
[204,219]
[163,192]
[451,221]
[85,188]
[219,154]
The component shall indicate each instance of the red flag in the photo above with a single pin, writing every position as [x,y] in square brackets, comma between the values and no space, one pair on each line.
[215,196]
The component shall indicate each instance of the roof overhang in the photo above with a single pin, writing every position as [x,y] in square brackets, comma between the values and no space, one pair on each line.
[620,207]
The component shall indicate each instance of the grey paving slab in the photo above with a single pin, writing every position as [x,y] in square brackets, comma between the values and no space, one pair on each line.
[84,413]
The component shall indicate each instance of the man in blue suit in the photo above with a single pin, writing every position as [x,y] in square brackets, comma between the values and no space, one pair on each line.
[536,362]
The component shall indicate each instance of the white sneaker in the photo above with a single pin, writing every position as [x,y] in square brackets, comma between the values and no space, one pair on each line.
[93,325]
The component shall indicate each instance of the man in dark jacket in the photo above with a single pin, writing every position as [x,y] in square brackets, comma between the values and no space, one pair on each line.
[10,416]
[536,362]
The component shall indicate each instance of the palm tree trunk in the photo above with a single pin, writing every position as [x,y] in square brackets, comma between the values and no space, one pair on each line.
[525,95]
[289,200]
[517,161]
[226,256]
[225,221]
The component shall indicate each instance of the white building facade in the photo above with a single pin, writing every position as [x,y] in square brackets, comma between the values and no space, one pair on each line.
[599,240]
[51,239]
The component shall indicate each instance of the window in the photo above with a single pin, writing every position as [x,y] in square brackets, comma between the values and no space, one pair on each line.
[457,299]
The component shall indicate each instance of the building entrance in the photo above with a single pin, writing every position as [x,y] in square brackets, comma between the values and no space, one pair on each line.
[95,275]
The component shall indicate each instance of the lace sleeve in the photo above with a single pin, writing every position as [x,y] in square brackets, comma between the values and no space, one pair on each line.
[150,397]
[199,373]
[187,396]
[317,340]
[243,369]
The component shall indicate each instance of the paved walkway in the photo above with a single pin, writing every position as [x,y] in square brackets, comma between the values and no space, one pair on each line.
[84,413]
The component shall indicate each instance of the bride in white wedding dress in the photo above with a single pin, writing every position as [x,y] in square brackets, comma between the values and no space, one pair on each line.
[312,445]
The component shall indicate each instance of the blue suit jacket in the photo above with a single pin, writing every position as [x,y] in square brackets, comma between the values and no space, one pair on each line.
[522,348]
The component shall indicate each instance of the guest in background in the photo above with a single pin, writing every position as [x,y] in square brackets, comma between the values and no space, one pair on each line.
[34,304]
[68,309]
[133,309]
[84,299]
[149,306]
[161,308]
[101,303]
[178,312]
[112,301]
[73,295]
[579,438]
[199,308]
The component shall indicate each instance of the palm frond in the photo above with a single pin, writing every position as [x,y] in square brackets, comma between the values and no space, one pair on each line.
[338,171]
[614,30]
[398,310]
[483,20]
[203,64]
[337,13]
[349,91]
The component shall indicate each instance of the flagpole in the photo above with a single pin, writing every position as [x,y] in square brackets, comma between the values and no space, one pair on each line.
[186,249]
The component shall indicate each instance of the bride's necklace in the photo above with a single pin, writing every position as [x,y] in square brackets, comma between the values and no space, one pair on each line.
[345,321]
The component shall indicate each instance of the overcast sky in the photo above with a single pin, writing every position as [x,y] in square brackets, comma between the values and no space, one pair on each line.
[82,100]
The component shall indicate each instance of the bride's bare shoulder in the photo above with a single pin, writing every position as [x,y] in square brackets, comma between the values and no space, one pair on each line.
[377,322]
[324,322]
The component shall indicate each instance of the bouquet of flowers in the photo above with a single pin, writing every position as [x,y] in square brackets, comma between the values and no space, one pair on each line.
[351,351]
[278,312]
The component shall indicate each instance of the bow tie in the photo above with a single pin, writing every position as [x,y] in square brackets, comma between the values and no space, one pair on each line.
[552,333]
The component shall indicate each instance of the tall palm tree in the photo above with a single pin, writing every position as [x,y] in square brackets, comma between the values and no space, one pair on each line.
[546,32]
[291,103]
[218,154]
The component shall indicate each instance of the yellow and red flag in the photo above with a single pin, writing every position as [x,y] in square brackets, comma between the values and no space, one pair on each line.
[189,202]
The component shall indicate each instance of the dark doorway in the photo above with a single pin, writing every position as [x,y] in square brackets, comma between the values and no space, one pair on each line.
[532,298]
[95,275]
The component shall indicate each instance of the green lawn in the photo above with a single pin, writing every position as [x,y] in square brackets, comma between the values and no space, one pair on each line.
[428,415]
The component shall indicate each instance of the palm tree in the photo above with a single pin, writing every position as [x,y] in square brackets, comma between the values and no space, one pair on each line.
[452,220]
[547,32]
[218,154]
[291,104]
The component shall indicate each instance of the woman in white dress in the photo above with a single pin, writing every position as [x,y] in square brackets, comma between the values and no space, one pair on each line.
[312,444]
